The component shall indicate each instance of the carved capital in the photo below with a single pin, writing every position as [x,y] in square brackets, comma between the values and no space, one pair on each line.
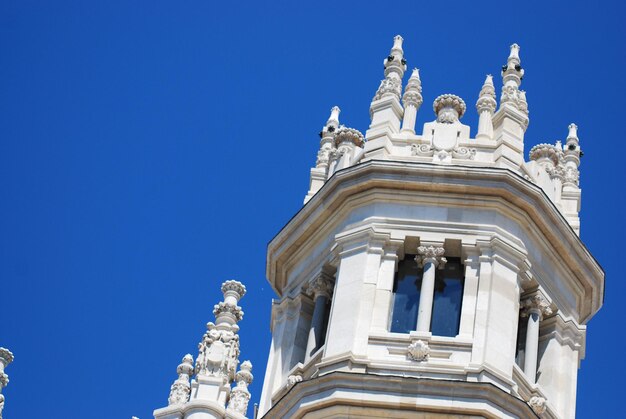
[535,304]
[431,254]
[419,351]
[321,285]
[538,404]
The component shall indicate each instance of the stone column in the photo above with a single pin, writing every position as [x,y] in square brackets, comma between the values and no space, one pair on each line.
[320,290]
[533,307]
[6,357]
[430,258]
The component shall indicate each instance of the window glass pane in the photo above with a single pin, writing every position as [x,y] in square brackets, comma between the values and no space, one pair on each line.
[406,295]
[448,296]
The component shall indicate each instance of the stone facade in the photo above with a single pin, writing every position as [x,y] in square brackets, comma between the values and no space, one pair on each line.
[378,200]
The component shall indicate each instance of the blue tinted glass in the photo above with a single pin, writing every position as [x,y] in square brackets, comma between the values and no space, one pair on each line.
[406,295]
[448,296]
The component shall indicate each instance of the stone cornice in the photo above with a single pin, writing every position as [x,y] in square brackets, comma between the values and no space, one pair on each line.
[320,392]
[528,203]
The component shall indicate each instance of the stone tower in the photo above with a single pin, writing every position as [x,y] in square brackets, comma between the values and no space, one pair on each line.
[433,273]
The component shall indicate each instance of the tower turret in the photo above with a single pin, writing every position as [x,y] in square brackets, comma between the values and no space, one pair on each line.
[571,194]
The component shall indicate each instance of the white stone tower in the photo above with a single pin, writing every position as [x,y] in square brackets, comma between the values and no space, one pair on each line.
[433,273]
[209,394]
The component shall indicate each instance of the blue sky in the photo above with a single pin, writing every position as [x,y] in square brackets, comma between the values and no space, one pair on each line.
[149,150]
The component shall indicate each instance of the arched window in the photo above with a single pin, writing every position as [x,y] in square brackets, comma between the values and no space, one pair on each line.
[446,314]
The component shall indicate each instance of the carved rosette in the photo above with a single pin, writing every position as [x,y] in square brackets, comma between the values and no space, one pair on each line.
[419,351]
[449,108]
[535,304]
[180,390]
[240,396]
[321,286]
[538,404]
[431,254]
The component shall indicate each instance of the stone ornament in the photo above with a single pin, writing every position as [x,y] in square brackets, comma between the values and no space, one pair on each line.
[431,254]
[222,308]
[349,135]
[536,303]
[6,357]
[538,404]
[545,152]
[419,351]
[321,285]
[487,96]
[413,91]
[240,396]
[293,380]
[180,390]
[449,108]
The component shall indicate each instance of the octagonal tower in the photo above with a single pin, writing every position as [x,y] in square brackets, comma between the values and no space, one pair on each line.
[434,272]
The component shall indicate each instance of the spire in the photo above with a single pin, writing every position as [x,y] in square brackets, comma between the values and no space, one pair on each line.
[512,75]
[179,392]
[395,66]
[240,396]
[412,100]
[333,120]
[512,72]
[572,155]
[486,106]
[6,357]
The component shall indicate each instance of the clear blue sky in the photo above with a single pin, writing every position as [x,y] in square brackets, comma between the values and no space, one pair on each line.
[151,149]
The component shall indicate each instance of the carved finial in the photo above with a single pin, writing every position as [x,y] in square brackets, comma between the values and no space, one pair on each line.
[512,72]
[333,120]
[180,390]
[487,96]
[413,91]
[240,395]
[228,312]
[573,133]
[449,108]
[395,66]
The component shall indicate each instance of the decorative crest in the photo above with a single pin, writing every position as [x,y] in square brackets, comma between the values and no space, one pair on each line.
[419,351]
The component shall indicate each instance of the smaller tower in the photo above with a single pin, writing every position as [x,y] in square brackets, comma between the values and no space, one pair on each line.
[319,173]
[6,357]
[209,392]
